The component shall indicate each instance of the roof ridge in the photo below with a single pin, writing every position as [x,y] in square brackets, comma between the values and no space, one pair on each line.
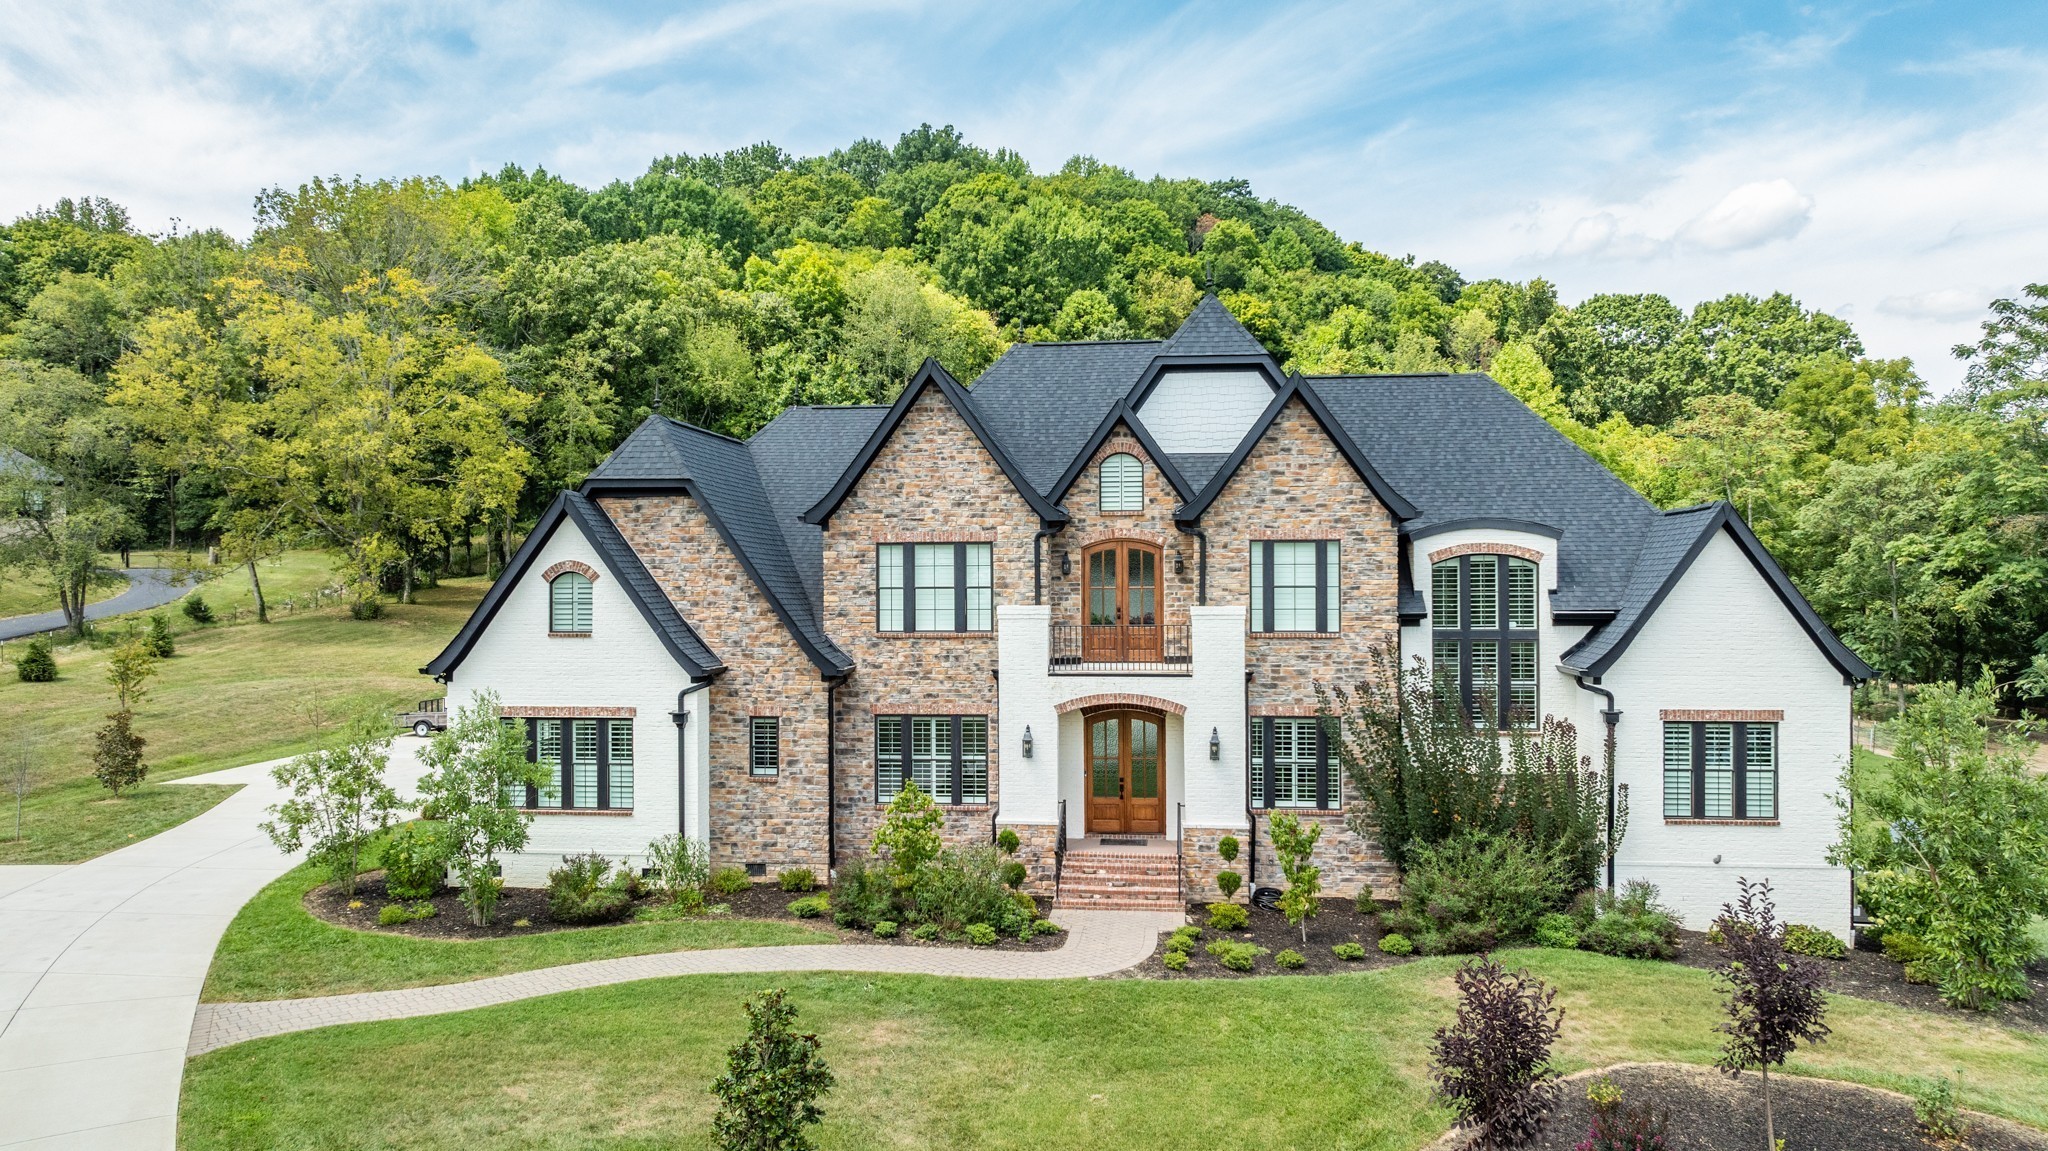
[689,427]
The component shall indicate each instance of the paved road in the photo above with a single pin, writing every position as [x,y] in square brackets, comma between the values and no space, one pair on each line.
[101,965]
[1097,943]
[147,588]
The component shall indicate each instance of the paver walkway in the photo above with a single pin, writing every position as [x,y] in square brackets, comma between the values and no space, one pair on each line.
[147,588]
[101,965]
[1097,943]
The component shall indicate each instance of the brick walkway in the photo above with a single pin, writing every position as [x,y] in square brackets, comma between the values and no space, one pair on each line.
[1097,943]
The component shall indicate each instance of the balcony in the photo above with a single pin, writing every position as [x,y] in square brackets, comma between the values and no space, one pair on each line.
[1157,649]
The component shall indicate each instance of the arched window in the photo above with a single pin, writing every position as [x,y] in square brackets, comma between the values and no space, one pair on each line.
[569,603]
[1484,620]
[1123,483]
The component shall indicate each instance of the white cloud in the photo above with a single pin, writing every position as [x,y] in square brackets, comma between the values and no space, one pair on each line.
[1751,215]
[1939,304]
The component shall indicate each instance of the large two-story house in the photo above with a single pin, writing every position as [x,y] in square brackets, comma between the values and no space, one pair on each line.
[1089,599]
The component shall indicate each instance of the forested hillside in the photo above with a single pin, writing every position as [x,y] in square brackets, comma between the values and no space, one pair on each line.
[393,369]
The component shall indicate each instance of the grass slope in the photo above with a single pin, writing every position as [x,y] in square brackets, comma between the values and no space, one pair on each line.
[1279,1062]
[276,950]
[234,694]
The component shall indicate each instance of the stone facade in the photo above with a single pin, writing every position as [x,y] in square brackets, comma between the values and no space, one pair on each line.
[777,821]
[1090,525]
[933,480]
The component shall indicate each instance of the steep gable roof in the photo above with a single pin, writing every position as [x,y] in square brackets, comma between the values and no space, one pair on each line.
[1298,388]
[675,633]
[1039,399]
[799,455]
[931,375]
[1210,330]
[1121,414]
[719,473]
[1674,540]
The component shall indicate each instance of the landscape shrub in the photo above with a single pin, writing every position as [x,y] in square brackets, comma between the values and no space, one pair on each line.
[1474,891]
[158,639]
[1950,846]
[1227,847]
[1046,927]
[1801,939]
[773,1080]
[797,879]
[810,906]
[728,881]
[1912,955]
[925,932]
[862,896]
[681,867]
[963,886]
[1229,916]
[1014,874]
[196,608]
[1935,1110]
[1492,1065]
[980,934]
[393,914]
[1175,960]
[36,664]
[1396,943]
[336,800]
[1630,923]
[1184,937]
[1228,882]
[1290,959]
[416,860]
[1294,844]
[886,929]
[473,769]
[1007,841]
[1350,952]
[1557,930]
[117,753]
[584,890]
[908,837]
[1619,1128]
[1237,955]
[1774,999]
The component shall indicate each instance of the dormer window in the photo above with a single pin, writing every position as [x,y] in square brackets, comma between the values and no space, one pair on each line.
[1484,617]
[569,604]
[1123,483]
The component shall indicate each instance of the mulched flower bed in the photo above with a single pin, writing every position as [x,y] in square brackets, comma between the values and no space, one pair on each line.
[1337,922]
[1710,1112]
[529,905]
[1868,974]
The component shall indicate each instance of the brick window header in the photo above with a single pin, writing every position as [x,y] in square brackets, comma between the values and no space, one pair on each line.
[566,712]
[966,537]
[1121,699]
[577,566]
[1719,715]
[1486,549]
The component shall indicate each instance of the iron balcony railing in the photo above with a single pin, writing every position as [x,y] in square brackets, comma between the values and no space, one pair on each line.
[1156,649]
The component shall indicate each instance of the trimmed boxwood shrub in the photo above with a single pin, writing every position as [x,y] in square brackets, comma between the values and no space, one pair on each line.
[416,860]
[886,929]
[583,890]
[1396,944]
[1802,939]
[1349,951]
[1237,955]
[810,906]
[1228,882]
[1007,840]
[1176,961]
[729,881]
[1014,874]
[1229,916]
[797,879]
[980,934]
[1290,959]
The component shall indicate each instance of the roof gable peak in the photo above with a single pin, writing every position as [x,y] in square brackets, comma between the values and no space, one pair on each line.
[1210,330]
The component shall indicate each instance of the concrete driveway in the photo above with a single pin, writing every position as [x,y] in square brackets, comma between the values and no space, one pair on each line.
[101,965]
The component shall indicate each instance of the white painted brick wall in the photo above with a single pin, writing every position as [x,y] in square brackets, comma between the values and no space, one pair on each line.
[621,664]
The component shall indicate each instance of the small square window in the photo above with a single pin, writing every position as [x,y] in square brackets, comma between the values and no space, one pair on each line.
[765,745]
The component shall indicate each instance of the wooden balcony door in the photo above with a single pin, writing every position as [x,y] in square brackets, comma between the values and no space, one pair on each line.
[1126,774]
[1122,602]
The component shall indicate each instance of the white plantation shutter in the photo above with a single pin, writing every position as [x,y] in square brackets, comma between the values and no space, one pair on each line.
[1123,483]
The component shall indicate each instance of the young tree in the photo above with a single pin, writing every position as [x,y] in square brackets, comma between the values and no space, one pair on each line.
[473,770]
[117,750]
[1492,1066]
[338,798]
[129,669]
[1951,847]
[1293,843]
[1774,998]
[772,1082]
[909,834]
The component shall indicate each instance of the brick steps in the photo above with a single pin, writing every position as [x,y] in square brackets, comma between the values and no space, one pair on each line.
[1120,881]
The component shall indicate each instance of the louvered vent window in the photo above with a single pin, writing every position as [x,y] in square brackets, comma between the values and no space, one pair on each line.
[1123,483]
[765,737]
[569,603]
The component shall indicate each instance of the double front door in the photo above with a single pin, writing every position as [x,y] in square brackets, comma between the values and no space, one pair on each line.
[1126,774]
[1123,604]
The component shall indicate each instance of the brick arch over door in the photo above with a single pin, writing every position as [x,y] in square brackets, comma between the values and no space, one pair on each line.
[1122,699]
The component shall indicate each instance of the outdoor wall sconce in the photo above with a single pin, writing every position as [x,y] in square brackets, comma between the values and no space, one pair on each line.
[1066,563]
[1180,564]
[1215,744]
[1027,741]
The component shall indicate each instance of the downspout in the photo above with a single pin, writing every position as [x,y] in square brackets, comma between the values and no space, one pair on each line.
[1612,716]
[1038,563]
[1251,867]
[682,721]
[832,685]
[1201,562]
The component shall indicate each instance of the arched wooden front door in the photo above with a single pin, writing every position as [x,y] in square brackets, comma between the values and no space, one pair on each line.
[1126,774]
[1122,603]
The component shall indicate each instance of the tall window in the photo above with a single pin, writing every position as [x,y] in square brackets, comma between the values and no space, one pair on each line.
[1484,614]
[934,587]
[946,756]
[1295,585]
[1291,764]
[764,745]
[569,603]
[589,762]
[1720,771]
[1123,483]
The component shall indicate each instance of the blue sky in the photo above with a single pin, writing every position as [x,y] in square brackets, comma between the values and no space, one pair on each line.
[1884,162]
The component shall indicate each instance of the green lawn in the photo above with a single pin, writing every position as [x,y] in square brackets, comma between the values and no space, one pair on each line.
[235,693]
[22,595]
[276,950]
[1278,1062]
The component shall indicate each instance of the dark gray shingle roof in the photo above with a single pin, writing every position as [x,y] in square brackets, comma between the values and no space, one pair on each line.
[1210,330]
[1198,468]
[799,456]
[1043,401]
